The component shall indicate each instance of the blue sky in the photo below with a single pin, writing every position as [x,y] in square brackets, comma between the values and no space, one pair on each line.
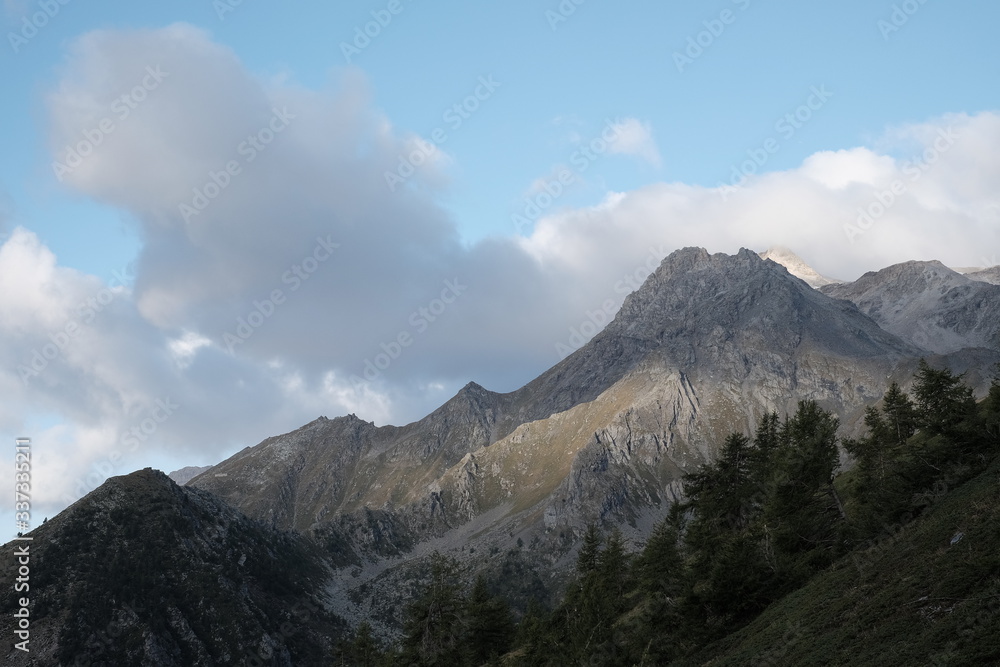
[834,101]
[604,60]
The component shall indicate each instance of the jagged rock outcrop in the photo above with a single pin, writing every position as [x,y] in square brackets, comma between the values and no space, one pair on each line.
[928,305]
[706,346]
[345,513]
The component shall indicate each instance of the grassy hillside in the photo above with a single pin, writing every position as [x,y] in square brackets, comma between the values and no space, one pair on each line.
[912,599]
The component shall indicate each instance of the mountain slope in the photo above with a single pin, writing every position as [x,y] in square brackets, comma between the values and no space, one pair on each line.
[186,474]
[737,335]
[990,275]
[918,597]
[142,571]
[929,305]
[706,346]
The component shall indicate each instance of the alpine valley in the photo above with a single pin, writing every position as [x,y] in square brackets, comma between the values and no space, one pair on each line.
[279,553]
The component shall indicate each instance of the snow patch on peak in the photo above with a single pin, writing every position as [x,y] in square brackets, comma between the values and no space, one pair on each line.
[796,266]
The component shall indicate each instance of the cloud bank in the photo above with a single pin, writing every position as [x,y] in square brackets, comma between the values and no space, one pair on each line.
[280,278]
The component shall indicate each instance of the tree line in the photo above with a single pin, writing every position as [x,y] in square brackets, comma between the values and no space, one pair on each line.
[756,524]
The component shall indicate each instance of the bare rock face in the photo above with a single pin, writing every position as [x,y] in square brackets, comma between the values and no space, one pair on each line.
[928,305]
[990,275]
[706,346]
[349,512]
[186,474]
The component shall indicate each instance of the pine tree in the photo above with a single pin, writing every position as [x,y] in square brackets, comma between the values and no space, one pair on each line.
[882,458]
[992,409]
[660,563]
[901,417]
[723,491]
[802,513]
[594,601]
[766,441]
[435,623]
[942,400]
[586,560]
[363,649]
[490,626]
[536,636]
[661,575]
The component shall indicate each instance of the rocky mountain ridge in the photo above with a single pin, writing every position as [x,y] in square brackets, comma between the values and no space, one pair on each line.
[929,305]
[706,346]
[506,483]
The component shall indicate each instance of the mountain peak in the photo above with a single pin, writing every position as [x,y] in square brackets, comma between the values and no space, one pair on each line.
[915,275]
[927,304]
[796,266]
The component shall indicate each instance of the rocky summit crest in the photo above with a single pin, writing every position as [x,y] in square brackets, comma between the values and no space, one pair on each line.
[507,482]
[706,346]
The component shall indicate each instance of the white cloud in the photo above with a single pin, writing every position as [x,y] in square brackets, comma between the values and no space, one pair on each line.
[946,208]
[320,181]
[635,138]
[838,169]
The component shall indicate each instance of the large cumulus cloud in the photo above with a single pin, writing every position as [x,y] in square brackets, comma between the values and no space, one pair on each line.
[358,268]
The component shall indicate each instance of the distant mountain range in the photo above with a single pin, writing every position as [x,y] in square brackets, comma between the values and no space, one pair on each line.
[706,346]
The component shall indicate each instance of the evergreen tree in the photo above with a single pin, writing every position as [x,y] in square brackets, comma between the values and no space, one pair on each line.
[595,600]
[363,649]
[490,626]
[723,491]
[766,441]
[586,560]
[942,400]
[901,418]
[882,460]
[992,409]
[613,566]
[536,637]
[728,572]
[660,563]
[435,623]
[802,513]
